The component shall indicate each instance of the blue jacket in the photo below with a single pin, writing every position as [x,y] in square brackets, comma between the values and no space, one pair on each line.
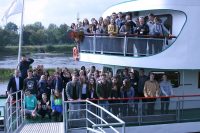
[57,105]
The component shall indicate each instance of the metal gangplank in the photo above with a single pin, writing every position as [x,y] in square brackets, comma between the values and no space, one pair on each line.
[15,121]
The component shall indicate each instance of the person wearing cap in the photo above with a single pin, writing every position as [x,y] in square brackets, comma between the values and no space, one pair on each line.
[30,102]
[44,107]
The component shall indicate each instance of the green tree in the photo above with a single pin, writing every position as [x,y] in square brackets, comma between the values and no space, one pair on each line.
[52,31]
[11,27]
[63,33]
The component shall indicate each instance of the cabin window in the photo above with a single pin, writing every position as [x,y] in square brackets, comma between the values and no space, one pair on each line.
[108,70]
[173,76]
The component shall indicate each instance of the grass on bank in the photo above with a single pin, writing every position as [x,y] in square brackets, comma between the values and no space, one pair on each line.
[13,50]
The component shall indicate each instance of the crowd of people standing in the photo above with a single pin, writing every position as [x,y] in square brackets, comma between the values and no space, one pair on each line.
[92,84]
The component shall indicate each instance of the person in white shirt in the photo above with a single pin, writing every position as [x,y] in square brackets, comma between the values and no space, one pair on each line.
[166,90]
[15,83]
[150,23]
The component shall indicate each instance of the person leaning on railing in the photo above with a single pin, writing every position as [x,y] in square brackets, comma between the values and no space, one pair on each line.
[127,91]
[103,90]
[166,90]
[73,92]
[126,29]
[112,28]
[151,91]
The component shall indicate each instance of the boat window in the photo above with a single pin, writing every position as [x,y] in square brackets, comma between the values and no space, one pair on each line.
[108,70]
[173,76]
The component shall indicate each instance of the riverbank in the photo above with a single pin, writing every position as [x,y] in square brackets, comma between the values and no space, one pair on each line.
[13,50]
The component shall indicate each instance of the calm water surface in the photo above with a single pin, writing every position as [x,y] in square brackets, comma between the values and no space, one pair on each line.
[48,60]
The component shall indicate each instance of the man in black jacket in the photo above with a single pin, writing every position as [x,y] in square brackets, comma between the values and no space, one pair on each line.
[15,83]
[24,65]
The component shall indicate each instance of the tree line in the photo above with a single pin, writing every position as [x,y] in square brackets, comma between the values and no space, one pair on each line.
[35,34]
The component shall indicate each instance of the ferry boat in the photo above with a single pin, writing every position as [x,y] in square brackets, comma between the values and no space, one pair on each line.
[178,59]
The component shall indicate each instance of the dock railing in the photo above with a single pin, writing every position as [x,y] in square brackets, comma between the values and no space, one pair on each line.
[14,112]
[90,117]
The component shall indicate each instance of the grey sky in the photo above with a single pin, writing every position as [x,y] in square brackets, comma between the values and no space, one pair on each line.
[58,11]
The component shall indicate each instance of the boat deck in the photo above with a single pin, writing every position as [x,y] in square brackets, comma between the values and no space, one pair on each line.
[190,127]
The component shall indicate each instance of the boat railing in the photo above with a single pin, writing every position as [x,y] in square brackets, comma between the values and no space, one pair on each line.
[90,117]
[134,111]
[125,45]
[14,112]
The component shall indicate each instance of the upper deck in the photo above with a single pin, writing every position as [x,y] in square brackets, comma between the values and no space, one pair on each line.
[178,52]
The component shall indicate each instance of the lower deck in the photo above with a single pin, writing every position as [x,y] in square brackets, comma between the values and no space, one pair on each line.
[162,128]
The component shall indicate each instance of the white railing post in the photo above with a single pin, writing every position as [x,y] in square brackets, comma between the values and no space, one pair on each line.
[125,45]
[86,116]
[94,43]
[147,50]
[16,107]
[11,112]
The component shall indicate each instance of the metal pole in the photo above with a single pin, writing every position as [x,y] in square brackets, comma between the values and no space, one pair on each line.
[11,113]
[123,128]
[94,44]
[86,117]
[125,42]
[22,109]
[5,118]
[101,114]
[16,107]
[20,35]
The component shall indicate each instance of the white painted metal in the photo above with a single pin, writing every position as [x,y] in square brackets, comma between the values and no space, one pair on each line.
[184,52]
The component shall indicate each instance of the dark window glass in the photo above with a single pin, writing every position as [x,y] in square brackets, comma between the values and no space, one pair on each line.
[173,76]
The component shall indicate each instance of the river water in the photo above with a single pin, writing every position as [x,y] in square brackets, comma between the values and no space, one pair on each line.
[48,60]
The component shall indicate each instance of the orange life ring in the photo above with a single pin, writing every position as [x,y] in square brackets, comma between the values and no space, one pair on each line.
[75,53]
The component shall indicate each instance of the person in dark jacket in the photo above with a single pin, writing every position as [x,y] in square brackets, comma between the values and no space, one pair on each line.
[73,92]
[15,83]
[43,87]
[57,82]
[142,29]
[30,83]
[24,65]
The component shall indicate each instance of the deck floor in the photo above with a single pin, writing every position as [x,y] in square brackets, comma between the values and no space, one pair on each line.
[52,127]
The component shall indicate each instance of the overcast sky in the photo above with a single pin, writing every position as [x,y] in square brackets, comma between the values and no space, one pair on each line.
[58,11]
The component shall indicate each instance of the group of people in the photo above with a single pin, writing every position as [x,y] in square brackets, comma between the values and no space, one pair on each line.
[39,85]
[42,90]
[123,24]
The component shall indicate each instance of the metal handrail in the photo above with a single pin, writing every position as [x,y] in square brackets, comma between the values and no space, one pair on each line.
[14,112]
[99,126]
